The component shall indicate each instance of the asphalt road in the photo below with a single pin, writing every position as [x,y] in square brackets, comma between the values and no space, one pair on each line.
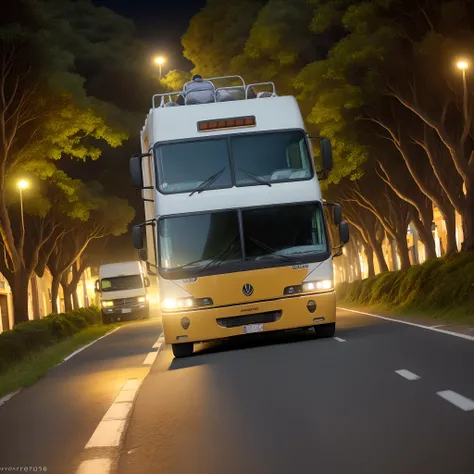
[273,404]
[292,404]
[49,424]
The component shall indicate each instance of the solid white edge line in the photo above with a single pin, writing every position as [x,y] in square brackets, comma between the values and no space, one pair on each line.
[464,403]
[406,374]
[442,331]
[338,339]
[7,397]
[90,344]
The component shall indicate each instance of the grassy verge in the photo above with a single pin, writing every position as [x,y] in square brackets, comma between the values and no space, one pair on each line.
[30,369]
[441,289]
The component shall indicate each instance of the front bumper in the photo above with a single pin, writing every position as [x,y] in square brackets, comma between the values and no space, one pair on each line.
[125,310]
[207,324]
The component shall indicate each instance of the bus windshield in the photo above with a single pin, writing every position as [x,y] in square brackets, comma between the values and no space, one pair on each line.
[238,160]
[283,232]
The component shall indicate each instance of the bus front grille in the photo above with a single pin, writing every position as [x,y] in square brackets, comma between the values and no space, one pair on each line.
[258,318]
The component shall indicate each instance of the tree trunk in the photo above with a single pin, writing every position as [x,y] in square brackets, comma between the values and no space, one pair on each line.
[67,296]
[402,250]
[369,254]
[426,237]
[468,223]
[55,293]
[380,257]
[19,286]
[75,299]
[449,215]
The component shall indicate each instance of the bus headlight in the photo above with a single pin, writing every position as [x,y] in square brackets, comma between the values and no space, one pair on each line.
[188,302]
[142,299]
[318,285]
[107,304]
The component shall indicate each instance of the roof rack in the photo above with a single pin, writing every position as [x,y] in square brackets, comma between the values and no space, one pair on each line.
[166,99]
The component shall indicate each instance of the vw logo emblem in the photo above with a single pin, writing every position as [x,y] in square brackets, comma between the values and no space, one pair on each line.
[247,289]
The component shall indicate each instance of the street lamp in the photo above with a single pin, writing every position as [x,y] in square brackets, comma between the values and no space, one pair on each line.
[22,184]
[464,65]
[160,60]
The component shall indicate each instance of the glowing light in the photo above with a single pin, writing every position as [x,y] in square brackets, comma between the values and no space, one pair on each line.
[160,60]
[22,184]
[463,65]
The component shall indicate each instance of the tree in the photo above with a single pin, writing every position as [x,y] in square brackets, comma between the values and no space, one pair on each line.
[109,216]
[217,34]
[38,124]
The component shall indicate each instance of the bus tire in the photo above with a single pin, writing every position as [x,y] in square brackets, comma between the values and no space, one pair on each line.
[105,318]
[325,330]
[184,349]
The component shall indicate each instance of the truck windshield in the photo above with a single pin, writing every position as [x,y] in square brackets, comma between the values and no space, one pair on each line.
[128,282]
[256,159]
[283,233]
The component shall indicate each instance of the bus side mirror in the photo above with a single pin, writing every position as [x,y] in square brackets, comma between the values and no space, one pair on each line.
[137,236]
[136,170]
[344,232]
[97,287]
[326,154]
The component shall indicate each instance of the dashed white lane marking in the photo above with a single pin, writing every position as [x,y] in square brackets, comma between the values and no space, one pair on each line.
[95,466]
[8,396]
[158,342]
[132,384]
[110,430]
[460,401]
[150,358]
[108,433]
[118,411]
[338,339]
[90,344]
[430,328]
[407,374]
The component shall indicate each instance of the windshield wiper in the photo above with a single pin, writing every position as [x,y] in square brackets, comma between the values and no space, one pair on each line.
[206,183]
[219,258]
[272,250]
[256,178]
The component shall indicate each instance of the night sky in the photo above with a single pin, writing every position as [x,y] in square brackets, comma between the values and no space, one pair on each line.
[160,24]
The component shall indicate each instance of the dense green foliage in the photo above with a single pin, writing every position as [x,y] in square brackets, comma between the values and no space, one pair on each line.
[438,286]
[31,336]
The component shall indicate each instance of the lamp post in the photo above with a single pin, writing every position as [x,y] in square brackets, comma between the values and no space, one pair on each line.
[160,60]
[22,184]
[464,65]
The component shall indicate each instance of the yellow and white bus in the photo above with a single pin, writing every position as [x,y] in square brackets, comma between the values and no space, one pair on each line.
[235,228]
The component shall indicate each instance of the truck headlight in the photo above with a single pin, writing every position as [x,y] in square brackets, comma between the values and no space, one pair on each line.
[142,299]
[318,285]
[107,304]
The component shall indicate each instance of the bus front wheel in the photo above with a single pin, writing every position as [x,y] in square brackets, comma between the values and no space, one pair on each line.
[325,330]
[184,349]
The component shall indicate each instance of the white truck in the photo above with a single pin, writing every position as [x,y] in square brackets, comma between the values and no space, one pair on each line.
[123,290]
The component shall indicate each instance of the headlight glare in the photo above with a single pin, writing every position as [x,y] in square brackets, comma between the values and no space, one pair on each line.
[318,285]
[107,304]
[142,299]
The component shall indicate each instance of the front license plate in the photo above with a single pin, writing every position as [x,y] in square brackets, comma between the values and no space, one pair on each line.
[126,310]
[253,328]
